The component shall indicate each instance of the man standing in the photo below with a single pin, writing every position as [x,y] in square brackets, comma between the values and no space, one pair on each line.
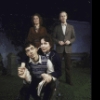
[64,36]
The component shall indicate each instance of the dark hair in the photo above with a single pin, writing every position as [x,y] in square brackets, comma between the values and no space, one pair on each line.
[40,18]
[49,39]
[28,43]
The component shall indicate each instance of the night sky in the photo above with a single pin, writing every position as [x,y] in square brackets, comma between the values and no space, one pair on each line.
[77,9]
[16,14]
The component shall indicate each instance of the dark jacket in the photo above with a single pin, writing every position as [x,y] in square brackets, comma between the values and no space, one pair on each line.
[33,36]
[56,61]
[59,36]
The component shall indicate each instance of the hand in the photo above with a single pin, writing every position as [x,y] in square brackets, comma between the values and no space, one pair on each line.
[61,42]
[21,72]
[47,78]
[21,69]
[67,42]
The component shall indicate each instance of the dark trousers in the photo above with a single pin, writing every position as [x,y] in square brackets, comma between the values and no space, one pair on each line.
[28,90]
[67,61]
[48,90]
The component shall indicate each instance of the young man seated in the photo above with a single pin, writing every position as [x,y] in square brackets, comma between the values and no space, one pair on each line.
[35,69]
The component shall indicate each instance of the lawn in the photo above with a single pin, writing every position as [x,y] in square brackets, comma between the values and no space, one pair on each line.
[81,89]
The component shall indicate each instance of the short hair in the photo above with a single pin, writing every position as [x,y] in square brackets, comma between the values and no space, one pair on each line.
[49,39]
[40,18]
[63,12]
[28,43]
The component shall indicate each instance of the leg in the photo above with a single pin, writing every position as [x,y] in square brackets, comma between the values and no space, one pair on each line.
[34,94]
[67,60]
[34,86]
[58,80]
[61,55]
[48,90]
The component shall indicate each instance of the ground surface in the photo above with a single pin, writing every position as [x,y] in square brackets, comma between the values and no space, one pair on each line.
[81,90]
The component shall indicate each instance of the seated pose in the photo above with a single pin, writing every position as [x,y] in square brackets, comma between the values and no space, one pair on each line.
[46,49]
[35,69]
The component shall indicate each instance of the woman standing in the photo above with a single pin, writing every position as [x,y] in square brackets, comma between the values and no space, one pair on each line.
[37,30]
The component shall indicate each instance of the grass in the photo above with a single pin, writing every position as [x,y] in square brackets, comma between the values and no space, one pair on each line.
[81,90]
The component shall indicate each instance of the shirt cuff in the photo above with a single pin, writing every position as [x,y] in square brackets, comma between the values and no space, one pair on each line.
[25,82]
[54,79]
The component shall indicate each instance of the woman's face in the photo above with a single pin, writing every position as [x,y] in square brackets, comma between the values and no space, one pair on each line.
[35,20]
[45,46]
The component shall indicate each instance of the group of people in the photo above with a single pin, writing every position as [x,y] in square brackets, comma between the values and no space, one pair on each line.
[42,62]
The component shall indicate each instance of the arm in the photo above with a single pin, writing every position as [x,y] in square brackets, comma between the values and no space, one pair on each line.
[50,68]
[47,77]
[29,38]
[24,73]
[72,35]
[72,39]
[45,31]
[57,66]
[54,35]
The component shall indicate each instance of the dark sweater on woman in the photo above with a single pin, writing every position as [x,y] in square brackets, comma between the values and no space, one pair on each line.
[56,61]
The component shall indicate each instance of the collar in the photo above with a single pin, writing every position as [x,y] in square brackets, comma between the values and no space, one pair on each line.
[31,61]
[52,54]
[62,24]
[47,54]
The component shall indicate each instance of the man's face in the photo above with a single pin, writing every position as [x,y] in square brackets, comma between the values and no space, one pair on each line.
[63,17]
[31,51]
[45,46]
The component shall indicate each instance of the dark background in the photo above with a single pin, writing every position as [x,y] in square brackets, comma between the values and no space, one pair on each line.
[16,21]
[16,15]
[76,9]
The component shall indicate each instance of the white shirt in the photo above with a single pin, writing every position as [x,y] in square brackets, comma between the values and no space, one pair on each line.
[50,67]
[64,27]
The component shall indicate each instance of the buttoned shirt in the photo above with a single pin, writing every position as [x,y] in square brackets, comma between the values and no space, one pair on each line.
[64,27]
